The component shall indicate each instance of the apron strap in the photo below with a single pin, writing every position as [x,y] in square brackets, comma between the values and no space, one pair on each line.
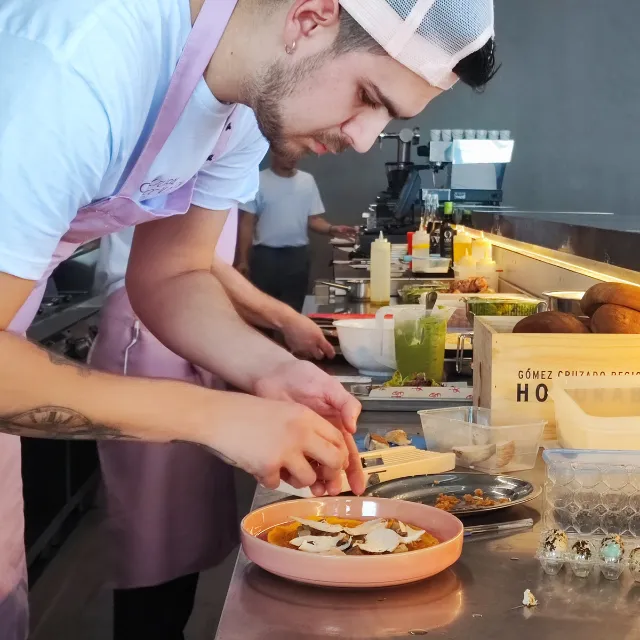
[198,50]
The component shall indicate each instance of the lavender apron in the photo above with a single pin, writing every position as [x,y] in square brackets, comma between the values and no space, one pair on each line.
[94,221]
[171,508]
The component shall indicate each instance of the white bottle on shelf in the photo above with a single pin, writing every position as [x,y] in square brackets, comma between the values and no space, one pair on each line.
[481,247]
[466,267]
[487,269]
[380,271]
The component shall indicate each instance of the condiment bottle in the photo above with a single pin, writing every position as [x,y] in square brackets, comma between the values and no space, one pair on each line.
[421,243]
[462,242]
[480,247]
[466,267]
[486,268]
[447,232]
[410,235]
[381,271]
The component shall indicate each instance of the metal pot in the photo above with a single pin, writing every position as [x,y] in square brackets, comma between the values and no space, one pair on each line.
[357,290]
[565,301]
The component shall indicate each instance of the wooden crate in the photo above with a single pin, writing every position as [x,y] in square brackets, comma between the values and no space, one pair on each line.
[513,372]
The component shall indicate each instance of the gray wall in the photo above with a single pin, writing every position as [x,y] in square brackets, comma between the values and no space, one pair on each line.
[569,90]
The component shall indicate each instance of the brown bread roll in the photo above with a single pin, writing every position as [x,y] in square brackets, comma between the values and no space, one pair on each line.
[551,322]
[612,318]
[625,295]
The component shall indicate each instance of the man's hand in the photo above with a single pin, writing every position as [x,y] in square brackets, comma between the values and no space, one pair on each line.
[343,231]
[305,338]
[304,383]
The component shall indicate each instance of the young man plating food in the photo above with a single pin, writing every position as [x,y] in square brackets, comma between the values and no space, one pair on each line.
[118,113]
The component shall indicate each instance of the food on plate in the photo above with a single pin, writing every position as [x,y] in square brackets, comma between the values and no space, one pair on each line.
[398,437]
[342,536]
[477,500]
[612,318]
[529,600]
[447,503]
[415,380]
[624,295]
[375,442]
[551,322]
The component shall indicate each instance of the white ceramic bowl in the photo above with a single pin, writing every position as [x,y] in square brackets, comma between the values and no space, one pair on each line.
[359,345]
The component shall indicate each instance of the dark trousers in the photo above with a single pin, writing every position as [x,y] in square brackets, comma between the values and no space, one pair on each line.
[282,273]
[154,613]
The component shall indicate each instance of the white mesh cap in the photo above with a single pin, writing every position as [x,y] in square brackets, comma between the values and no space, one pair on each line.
[429,37]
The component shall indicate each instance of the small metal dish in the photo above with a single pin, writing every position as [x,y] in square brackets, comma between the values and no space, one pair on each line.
[426,489]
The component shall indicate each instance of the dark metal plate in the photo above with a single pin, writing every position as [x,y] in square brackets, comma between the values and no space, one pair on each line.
[426,489]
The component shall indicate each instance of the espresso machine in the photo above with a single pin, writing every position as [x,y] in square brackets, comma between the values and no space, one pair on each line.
[468,172]
[397,208]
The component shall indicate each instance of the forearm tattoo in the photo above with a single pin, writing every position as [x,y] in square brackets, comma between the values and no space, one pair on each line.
[58,423]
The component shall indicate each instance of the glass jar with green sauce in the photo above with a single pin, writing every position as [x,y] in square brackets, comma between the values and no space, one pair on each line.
[420,344]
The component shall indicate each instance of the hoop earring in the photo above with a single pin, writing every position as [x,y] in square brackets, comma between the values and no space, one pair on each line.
[290,49]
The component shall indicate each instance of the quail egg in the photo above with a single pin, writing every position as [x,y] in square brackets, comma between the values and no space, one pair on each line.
[634,564]
[552,551]
[612,556]
[581,557]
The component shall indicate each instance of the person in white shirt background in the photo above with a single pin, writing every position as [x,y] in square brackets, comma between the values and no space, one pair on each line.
[273,240]
[150,113]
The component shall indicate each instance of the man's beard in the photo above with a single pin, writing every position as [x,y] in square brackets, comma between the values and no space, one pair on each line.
[266,96]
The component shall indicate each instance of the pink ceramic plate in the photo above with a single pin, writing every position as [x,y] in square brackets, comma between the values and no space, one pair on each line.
[353,571]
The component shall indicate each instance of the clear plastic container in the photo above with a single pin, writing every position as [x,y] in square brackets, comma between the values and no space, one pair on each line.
[591,494]
[601,412]
[421,264]
[478,443]
[503,306]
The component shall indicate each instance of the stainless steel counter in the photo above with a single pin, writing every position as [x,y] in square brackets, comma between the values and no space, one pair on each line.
[474,599]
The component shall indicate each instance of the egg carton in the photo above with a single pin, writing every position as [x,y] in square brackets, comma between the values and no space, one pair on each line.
[610,555]
[592,493]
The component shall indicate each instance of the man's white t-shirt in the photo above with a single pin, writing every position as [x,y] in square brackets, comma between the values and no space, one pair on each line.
[283,207]
[81,84]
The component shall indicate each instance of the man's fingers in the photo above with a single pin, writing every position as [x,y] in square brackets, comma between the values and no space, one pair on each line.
[271,481]
[333,483]
[300,472]
[318,489]
[349,409]
[285,476]
[327,348]
[355,472]
[325,451]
